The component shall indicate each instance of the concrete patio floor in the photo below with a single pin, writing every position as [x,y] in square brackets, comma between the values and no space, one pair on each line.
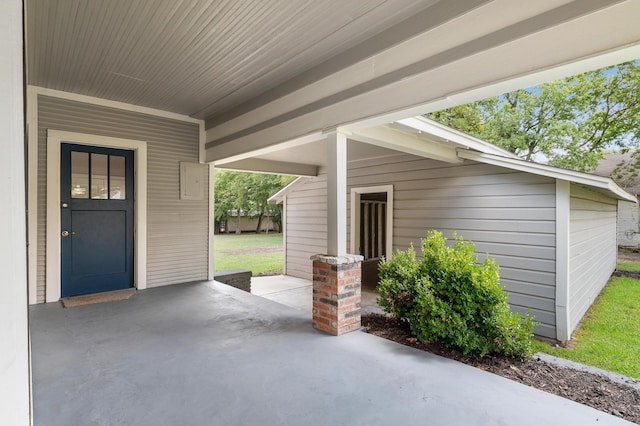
[209,354]
[298,293]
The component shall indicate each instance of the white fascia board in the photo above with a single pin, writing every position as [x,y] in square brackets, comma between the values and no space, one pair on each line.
[436,129]
[553,172]
[396,140]
[241,149]
[279,196]
[258,165]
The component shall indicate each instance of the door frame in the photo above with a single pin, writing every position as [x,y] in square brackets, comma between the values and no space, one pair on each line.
[355,215]
[53,250]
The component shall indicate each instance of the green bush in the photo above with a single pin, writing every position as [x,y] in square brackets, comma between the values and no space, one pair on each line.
[447,296]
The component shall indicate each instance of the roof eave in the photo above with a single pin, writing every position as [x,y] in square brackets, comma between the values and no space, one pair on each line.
[278,197]
[603,183]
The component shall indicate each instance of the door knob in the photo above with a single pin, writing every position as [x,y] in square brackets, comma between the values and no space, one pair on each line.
[65,233]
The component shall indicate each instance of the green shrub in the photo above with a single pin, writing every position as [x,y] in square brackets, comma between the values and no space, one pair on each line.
[399,281]
[447,296]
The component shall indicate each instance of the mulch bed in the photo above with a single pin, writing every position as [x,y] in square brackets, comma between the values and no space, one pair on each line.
[586,388]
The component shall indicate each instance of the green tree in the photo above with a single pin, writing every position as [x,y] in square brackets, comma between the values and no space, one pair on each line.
[241,194]
[467,118]
[232,197]
[263,187]
[569,122]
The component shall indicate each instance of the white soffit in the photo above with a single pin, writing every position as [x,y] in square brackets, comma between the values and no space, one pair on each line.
[401,141]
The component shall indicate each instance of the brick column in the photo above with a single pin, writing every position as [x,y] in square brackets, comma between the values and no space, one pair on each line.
[336,293]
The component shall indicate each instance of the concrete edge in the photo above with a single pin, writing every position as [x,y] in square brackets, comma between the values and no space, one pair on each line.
[614,377]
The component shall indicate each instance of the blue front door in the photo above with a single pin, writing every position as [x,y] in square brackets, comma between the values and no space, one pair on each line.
[96,203]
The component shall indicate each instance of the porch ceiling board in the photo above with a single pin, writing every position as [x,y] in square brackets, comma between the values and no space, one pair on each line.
[194,57]
[263,73]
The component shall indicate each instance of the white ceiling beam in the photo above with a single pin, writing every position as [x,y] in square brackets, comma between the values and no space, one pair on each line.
[232,152]
[257,165]
[397,140]
[483,63]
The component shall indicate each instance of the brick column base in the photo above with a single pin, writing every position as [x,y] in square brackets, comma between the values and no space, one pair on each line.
[336,293]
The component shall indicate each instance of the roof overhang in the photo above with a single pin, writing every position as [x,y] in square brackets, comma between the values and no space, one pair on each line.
[603,184]
[496,47]
[278,197]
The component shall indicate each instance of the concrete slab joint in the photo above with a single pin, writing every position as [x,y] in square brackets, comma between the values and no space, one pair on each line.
[337,293]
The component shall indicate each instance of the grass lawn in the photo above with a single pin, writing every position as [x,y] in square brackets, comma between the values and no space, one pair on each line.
[629,266]
[260,253]
[609,336]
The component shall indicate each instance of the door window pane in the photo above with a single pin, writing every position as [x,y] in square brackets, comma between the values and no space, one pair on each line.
[117,178]
[79,174]
[99,177]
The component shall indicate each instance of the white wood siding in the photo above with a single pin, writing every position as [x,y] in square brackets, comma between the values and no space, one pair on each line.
[177,230]
[306,225]
[510,215]
[592,248]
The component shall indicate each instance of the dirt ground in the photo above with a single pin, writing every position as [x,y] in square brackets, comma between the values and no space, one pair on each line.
[628,255]
[586,388]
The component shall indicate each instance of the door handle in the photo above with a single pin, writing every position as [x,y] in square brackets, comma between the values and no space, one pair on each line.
[65,233]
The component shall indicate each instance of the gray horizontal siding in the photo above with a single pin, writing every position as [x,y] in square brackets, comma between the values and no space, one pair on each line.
[306,226]
[592,248]
[177,231]
[510,215]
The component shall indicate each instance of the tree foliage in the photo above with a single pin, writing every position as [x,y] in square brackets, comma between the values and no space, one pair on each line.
[241,194]
[570,122]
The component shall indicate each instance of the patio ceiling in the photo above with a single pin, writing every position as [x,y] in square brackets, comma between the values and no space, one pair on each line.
[194,57]
[305,158]
[261,73]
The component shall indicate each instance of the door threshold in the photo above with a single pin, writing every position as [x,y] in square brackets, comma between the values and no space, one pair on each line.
[90,299]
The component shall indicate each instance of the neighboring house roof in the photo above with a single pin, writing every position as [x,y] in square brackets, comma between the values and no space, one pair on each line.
[468,147]
[608,164]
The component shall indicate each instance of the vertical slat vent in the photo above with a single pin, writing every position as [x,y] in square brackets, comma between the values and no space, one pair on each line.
[373,230]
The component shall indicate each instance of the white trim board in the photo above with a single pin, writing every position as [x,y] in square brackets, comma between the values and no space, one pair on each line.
[54,139]
[113,104]
[563,318]
[355,215]
[284,234]
[211,220]
[32,192]
[280,196]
